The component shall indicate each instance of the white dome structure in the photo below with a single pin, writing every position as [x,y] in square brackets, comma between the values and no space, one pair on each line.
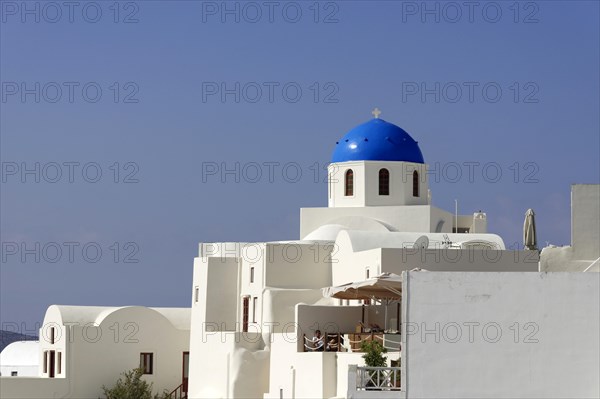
[20,359]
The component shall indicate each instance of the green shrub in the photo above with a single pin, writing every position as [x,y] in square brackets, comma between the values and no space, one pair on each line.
[131,386]
[373,355]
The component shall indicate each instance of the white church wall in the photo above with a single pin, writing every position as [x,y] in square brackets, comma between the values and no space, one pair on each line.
[337,173]
[401,184]
[537,335]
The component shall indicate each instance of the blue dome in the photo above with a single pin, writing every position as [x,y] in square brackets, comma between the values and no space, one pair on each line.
[377,140]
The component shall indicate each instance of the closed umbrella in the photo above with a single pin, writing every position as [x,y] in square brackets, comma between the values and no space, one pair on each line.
[529,234]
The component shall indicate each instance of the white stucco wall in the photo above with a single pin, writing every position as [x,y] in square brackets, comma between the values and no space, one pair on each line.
[228,365]
[585,235]
[366,184]
[553,351]
[585,220]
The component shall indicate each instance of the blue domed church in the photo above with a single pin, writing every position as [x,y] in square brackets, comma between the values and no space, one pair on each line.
[378,180]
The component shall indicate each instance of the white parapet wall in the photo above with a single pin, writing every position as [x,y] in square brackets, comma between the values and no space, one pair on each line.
[508,335]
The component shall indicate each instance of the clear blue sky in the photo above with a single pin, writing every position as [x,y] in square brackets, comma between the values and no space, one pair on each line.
[165,123]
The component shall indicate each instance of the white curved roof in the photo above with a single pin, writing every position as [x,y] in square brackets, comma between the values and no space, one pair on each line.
[20,353]
[364,240]
[327,232]
[180,318]
[330,230]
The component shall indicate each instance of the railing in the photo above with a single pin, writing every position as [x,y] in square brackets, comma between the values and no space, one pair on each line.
[351,342]
[178,393]
[378,378]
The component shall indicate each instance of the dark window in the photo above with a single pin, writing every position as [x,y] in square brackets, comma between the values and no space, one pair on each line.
[254,301]
[58,362]
[14,373]
[415,184]
[45,362]
[349,191]
[196,294]
[146,362]
[384,182]
[51,335]
[251,274]
[51,363]
[245,313]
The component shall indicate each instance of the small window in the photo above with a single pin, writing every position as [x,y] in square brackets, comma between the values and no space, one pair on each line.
[146,362]
[254,302]
[245,306]
[415,184]
[384,182]
[349,186]
[52,335]
[196,293]
[45,362]
[252,274]
[13,373]
[58,362]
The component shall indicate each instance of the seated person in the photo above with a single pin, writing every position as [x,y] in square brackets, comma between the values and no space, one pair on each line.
[318,341]
[332,345]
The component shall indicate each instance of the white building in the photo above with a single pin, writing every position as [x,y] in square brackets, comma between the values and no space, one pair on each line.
[254,303]
[82,348]
[473,320]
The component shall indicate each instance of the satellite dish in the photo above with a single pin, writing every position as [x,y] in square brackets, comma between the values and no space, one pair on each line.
[421,243]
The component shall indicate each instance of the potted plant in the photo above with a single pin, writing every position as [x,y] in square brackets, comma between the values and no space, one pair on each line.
[373,355]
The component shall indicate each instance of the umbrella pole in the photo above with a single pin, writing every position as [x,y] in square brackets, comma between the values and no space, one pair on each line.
[385,322]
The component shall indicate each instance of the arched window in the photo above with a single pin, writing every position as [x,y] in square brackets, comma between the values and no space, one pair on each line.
[415,184]
[349,191]
[384,182]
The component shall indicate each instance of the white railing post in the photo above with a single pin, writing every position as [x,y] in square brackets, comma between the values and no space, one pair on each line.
[352,380]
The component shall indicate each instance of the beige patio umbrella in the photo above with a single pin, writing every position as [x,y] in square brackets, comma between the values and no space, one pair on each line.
[386,287]
[529,234]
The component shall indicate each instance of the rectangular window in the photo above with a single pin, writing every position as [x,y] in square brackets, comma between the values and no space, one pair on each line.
[58,362]
[254,301]
[146,362]
[196,293]
[368,273]
[51,363]
[45,362]
[245,306]
[252,274]
[52,335]
[13,373]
